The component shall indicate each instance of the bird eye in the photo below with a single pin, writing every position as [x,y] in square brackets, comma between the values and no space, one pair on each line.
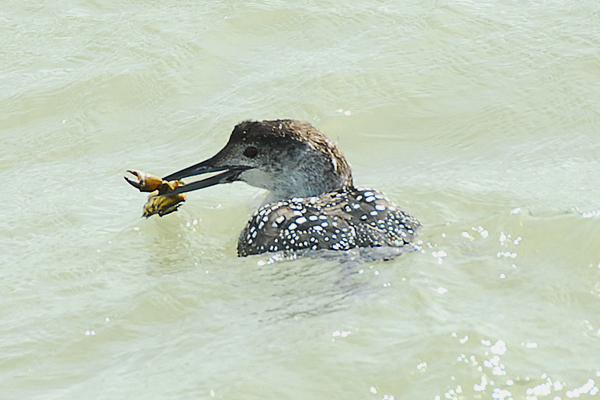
[251,152]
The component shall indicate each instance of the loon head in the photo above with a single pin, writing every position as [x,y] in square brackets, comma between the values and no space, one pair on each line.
[289,158]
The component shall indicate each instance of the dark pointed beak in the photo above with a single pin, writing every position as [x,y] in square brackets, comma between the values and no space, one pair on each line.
[228,174]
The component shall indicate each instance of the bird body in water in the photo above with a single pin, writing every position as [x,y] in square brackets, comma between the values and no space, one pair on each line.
[312,204]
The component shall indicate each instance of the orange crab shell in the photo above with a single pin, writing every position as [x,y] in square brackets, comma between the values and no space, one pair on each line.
[163,204]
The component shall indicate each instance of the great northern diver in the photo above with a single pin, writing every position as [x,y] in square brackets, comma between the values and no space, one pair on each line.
[312,203]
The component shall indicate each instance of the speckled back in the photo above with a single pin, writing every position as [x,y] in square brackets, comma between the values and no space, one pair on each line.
[338,220]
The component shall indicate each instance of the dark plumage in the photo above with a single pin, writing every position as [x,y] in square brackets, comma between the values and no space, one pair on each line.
[338,220]
[313,203]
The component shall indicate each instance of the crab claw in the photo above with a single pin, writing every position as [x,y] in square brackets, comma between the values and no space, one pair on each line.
[144,182]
